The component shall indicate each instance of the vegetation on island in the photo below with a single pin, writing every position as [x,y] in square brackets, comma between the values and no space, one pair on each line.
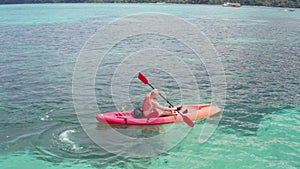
[273,3]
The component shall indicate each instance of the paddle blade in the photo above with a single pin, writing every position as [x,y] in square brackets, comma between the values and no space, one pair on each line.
[143,78]
[186,119]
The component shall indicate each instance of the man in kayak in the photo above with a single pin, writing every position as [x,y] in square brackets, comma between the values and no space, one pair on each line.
[150,106]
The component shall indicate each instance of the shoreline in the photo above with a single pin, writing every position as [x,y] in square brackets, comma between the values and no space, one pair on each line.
[152,3]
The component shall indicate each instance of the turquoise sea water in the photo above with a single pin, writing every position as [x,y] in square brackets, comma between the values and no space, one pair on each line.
[258,47]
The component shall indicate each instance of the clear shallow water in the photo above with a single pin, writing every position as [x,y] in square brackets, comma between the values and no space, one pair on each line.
[259,49]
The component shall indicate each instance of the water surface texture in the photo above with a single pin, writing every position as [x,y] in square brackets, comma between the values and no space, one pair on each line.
[259,48]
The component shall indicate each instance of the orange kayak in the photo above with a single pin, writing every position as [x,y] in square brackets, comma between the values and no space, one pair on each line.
[195,112]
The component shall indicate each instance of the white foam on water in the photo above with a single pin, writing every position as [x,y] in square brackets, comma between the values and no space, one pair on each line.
[64,137]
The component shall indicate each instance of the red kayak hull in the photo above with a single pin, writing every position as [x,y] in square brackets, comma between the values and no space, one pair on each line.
[195,112]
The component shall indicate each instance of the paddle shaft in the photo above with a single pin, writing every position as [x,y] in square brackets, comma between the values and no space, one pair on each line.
[162,96]
[186,119]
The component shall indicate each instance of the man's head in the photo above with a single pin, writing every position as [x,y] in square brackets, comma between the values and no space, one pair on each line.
[154,94]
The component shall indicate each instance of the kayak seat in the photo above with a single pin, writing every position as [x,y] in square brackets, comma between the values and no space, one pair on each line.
[138,113]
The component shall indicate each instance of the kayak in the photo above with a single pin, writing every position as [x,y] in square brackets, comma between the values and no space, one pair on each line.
[195,112]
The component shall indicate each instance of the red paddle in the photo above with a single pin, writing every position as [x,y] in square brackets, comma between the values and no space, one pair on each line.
[185,118]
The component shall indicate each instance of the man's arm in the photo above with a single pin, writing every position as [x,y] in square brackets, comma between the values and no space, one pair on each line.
[157,105]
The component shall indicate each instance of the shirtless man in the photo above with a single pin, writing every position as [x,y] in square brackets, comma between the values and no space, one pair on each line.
[150,106]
